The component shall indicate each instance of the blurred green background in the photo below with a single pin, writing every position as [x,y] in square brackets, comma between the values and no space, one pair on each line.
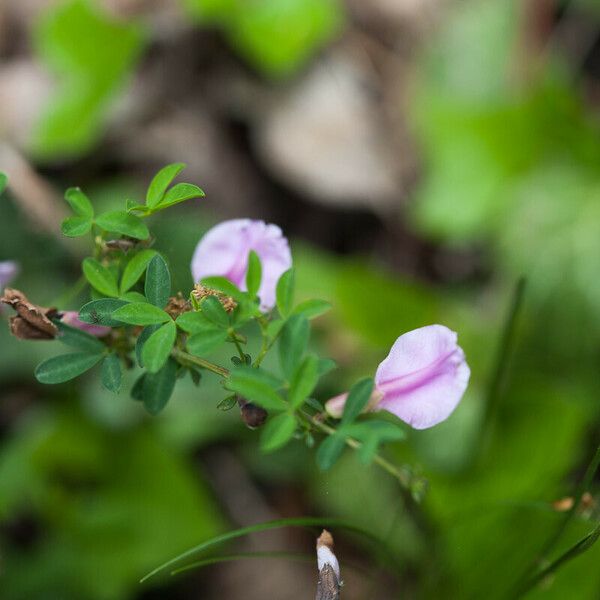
[422,156]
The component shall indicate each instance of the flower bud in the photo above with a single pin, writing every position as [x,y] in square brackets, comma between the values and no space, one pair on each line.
[253,416]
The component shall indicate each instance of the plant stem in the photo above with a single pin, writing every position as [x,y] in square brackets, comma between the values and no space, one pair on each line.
[402,477]
[185,357]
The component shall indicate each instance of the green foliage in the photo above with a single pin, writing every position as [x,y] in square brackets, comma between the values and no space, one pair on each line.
[76,338]
[358,398]
[99,312]
[99,277]
[161,181]
[205,342]
[214,311]
[140,313]
[253,274]
[135,269]
[276,36]
[111,373]
[67,39]
[157,388]
[158,347]
[285,293]
[329,451]
[277,432]
[293,341]
[303,380]
[3,181]
[119,221]
[258,386]
[65,367]
[158,281]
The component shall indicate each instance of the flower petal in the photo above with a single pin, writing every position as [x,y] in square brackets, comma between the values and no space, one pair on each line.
[8,271]
[224,251]
[424,376]
[71,318]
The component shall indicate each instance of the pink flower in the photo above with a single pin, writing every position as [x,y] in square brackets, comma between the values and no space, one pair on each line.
[224,251]
[8,271]
[70,317]
[421,380]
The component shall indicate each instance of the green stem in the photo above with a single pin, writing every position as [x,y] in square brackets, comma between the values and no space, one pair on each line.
[236,341]
[403,477]
[184,357]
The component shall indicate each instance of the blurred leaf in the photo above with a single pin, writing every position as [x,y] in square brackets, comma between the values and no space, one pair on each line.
[329,451]
[3,181]
[100,277]
[76,338]
[141,340]
[161,181]
[158,281]
[195,322]
[303,381]
[222,284]
[99,312]
[67,39]
[213,310]
[258,386]
[253,274]
[358,398]
[75,226]
[66,367]
[277,432]
[140,313]
[111,373]
[285,293]
[79,202]
[122,222]
[158,387]
[292,344]
[158,346]
[135,269]
[312,308]
[276,36]
[202,343]
[180,193]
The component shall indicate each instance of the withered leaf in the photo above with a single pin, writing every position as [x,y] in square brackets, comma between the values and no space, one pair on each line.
[33,321]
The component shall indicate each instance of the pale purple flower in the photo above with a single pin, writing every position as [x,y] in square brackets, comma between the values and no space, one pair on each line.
[224,251]
[71,318]
[8,271]
[421,380]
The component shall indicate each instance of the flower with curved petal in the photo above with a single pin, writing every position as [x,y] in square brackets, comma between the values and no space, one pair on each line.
[224,251]
[421,380]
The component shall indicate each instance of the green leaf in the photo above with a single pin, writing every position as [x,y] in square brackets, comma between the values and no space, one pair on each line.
[180,193]
[3,181]
[371,434]
[284,293]
[158,387]
[258,386]
[140,313]
[253,274]
[134,297]
[312,522]
[222,284]
[76,338]
[137,390]
[79,203]
[277,432]
[158,347]
[329,451]
[67,39]
[205,342]
[75,226]
[312,308]
[326,365]
[158,281]
[213,310]
[135,269]
[141,340]
[194,322]
[358,398]
[293,340]
[99,312]
[66,367]
[120,221]
[111,373]
[161,181]
[99,277]
[303,381]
